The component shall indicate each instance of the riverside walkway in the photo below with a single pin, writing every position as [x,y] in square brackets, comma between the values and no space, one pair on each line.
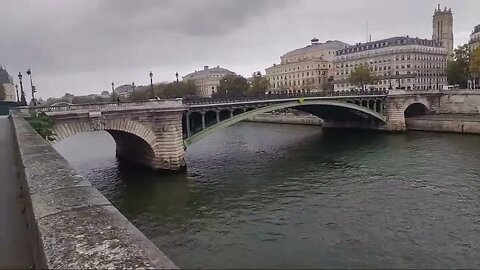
[15,249]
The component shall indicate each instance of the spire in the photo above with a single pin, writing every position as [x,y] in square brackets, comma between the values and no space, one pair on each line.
[439,7]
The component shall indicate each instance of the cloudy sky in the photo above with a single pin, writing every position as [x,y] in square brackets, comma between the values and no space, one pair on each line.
[81,46]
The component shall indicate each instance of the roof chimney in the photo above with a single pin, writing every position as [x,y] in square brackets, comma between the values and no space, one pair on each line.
[205,67]
[314,41]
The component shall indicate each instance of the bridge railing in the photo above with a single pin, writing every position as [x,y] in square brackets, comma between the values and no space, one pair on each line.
[107,105]
[233,99]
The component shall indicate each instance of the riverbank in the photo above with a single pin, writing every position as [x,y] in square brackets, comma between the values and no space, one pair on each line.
[457,123]
[288,118]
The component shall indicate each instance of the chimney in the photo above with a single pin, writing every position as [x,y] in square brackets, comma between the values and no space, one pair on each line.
[205,67]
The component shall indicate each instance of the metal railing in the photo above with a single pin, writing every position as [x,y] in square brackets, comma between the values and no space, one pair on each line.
[107,105]
[245,98]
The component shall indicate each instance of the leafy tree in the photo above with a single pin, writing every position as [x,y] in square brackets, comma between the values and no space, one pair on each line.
[68,97]
[458,70]
[81,99]
[361,76]
[139,94]
[43,124]
[180,89]
[259,84]
[3,93]
[113,97]
[232,85]
[327,86]
[475,63]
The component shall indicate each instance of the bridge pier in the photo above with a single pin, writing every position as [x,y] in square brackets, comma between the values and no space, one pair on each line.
[187,123]
[203,119]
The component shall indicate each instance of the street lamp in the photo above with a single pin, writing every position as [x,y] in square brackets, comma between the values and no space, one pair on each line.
[16,90]
[176,75]
[113,88]
[151,83]
[29,73]
[22,98]
[133,86]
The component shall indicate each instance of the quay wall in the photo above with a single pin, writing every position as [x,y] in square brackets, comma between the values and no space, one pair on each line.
[71,224]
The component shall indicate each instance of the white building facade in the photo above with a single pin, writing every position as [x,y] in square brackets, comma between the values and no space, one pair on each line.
[398,63]
[305,69]
[475,38]
[207,80]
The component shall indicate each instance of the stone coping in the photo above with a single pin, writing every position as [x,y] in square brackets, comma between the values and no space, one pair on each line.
[72,224]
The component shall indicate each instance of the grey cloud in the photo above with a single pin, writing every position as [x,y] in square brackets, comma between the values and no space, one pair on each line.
[82,45]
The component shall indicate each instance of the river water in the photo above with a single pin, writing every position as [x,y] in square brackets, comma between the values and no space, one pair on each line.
[280,196]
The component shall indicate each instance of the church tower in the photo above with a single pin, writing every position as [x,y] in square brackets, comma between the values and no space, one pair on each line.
[443,28]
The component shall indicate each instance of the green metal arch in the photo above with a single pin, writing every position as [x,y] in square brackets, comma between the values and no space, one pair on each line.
[228,122]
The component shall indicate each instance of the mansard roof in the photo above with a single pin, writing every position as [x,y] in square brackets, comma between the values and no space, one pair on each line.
[393,41]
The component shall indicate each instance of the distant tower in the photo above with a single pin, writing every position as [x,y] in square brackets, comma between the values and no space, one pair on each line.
[443,28]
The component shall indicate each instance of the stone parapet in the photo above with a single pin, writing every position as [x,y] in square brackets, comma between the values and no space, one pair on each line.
[73,226]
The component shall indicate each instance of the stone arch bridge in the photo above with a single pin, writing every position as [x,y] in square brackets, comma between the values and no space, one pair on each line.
[156,133]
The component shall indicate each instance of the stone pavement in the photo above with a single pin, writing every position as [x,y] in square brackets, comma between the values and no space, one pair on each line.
[15,249]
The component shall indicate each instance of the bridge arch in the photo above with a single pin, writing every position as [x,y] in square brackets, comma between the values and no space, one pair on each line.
[310,106]
[134,141]
[415,109]
[419,101]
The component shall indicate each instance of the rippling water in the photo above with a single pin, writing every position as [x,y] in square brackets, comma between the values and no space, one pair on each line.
[280,196]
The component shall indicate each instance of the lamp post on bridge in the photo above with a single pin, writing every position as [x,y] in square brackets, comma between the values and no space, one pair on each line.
[29,73]
[22,97]
[16,90]
[176,75]
[151,83]
[113,88]
[133,86]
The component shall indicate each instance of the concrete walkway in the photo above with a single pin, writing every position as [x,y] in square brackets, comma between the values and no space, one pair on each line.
[15,249]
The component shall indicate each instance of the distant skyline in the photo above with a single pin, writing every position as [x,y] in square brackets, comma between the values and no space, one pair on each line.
[81,46]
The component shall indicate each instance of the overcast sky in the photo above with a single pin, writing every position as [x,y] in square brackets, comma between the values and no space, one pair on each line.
[81,46]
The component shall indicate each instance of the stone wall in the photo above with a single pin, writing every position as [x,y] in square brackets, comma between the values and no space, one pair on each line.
[286,119]
[460,102]
[148,137]
[443,124]
[72,225]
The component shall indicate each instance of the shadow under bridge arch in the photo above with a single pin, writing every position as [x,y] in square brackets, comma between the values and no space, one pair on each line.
[328,110]
[134,142]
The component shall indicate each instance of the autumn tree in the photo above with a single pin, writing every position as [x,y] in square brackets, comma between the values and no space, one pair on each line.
[458,69]
[3,93]
[232,85]
[180,89]
[362,76]
[259,84]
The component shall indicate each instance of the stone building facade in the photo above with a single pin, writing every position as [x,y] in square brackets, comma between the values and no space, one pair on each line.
[475,38]
[7,81]
[398,63]
[207,80]
[305,69]
[443,28]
